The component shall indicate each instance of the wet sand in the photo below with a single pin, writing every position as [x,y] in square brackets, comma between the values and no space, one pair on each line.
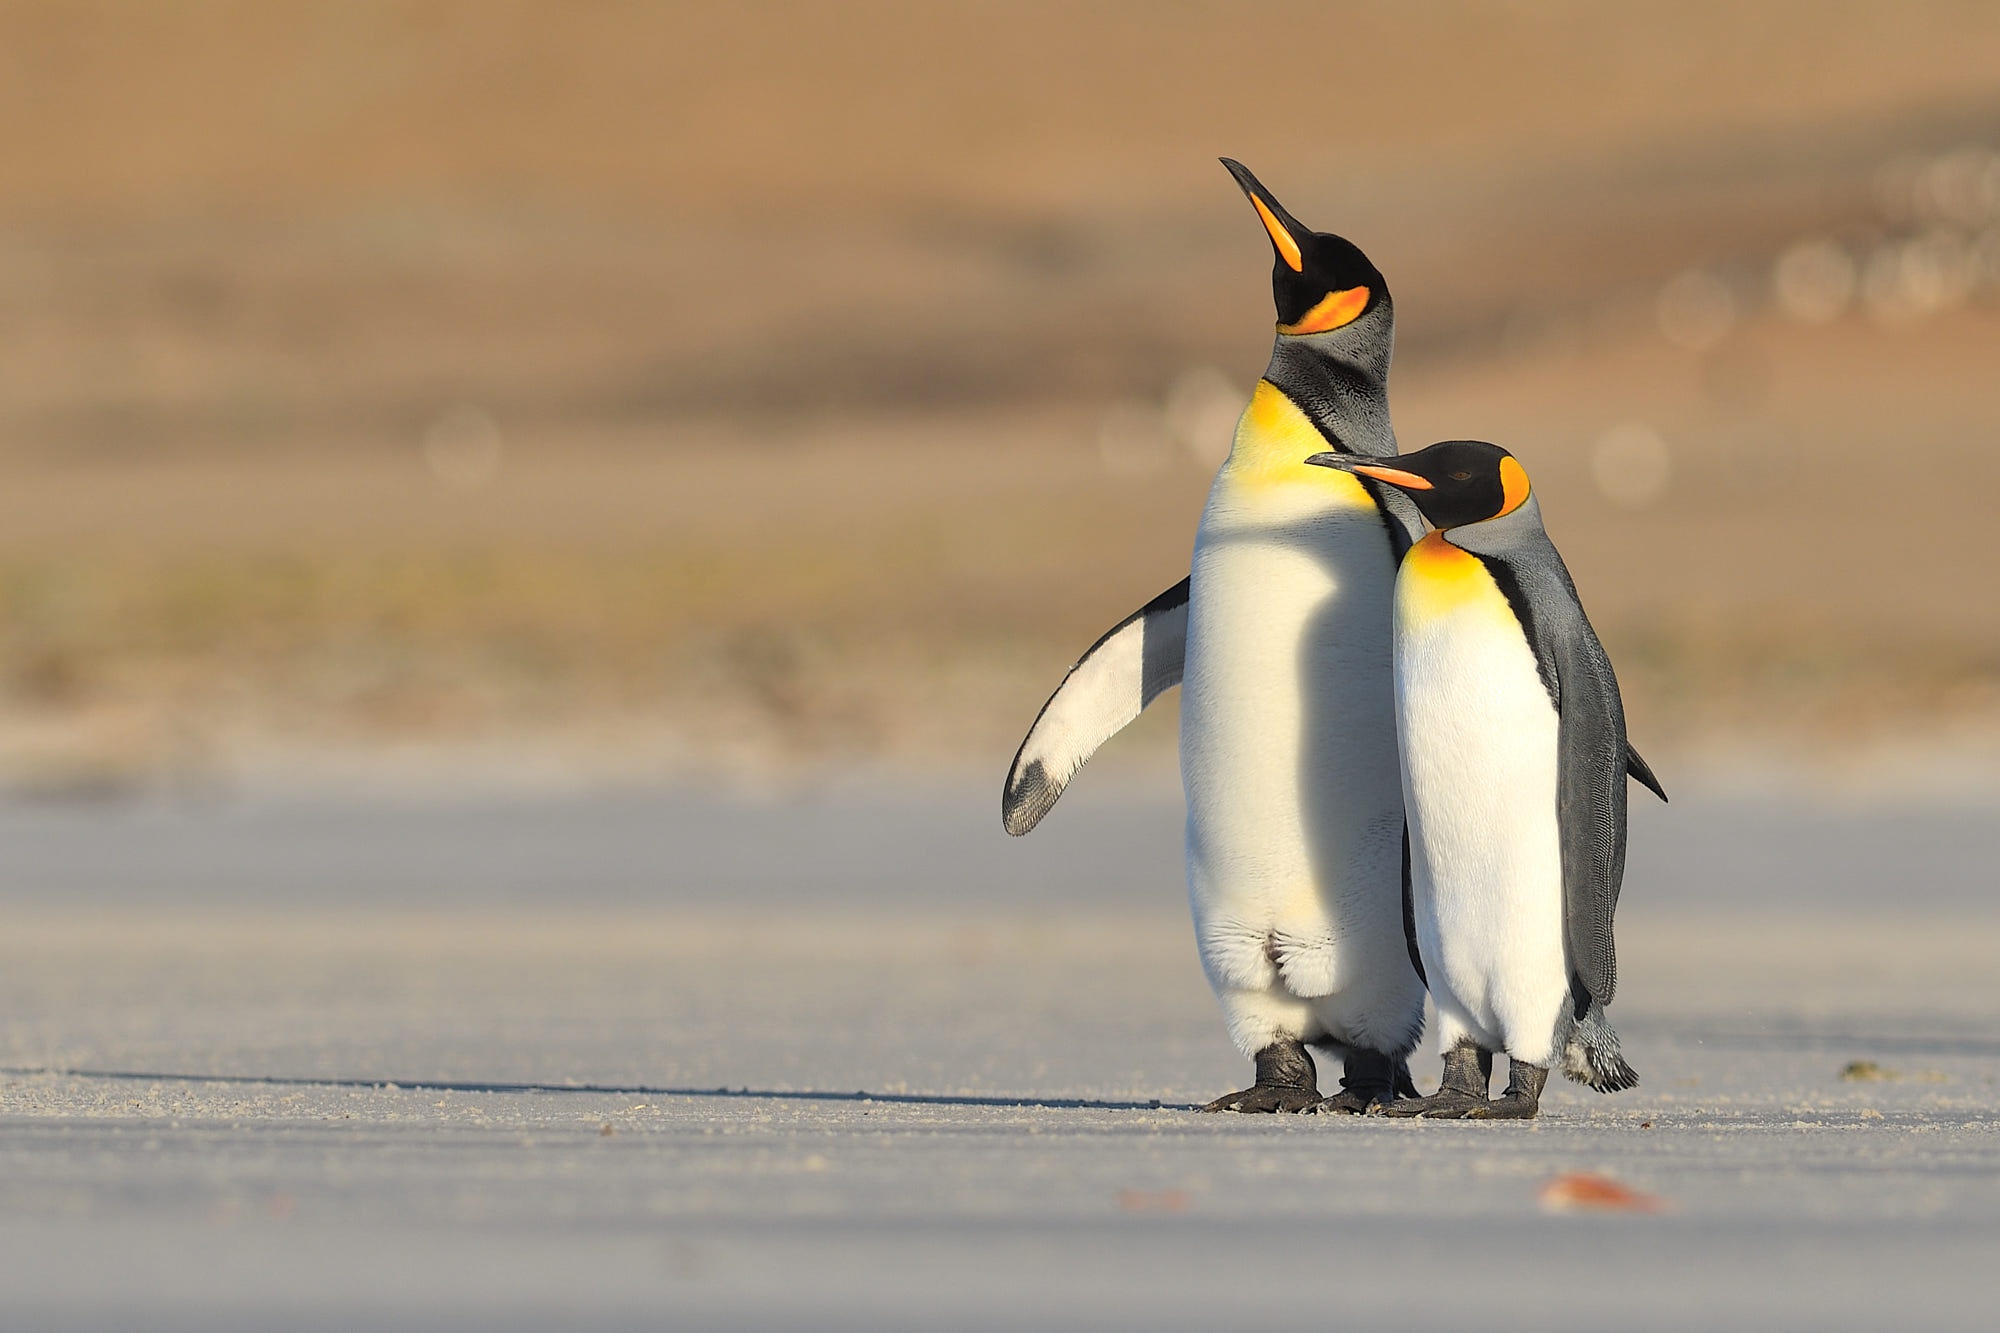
[854,1059]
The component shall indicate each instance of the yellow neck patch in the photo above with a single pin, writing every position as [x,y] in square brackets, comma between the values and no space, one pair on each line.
[1335,310]
[1273,441]
[1438,579]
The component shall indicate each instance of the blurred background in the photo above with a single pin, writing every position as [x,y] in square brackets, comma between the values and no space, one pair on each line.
[517,391]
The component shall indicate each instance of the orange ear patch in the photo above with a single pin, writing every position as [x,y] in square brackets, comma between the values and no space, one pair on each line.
[1333,310]
[1513,486]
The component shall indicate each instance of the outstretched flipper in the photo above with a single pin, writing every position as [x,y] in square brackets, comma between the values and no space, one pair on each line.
[1136,662]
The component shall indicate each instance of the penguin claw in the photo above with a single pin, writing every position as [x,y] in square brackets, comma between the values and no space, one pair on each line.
[1266,1099]
[1508,1107]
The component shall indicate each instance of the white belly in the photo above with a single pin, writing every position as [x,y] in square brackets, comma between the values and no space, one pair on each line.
[1479,774]
[1288,751]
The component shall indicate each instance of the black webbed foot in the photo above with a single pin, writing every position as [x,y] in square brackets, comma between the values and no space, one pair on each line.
[1286,1081]
[1523,1098]
[1467,1071]
[1441,1105]
[1367,1084]
[1351,1101]
[1262,1099]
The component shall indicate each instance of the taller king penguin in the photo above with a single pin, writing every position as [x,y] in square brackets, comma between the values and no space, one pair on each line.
[1281,640]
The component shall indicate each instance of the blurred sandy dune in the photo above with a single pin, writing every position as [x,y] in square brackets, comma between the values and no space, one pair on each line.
[659,386]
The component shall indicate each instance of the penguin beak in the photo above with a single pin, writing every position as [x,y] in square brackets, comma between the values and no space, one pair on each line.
[1284,228]
[1409,481]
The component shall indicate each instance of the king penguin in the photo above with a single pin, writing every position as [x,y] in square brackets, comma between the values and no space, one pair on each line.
[1514,764]
[1280,639]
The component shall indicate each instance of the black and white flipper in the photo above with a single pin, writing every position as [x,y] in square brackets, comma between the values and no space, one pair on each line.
[1136,661]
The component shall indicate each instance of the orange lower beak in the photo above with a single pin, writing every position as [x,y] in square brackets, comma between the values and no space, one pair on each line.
[1287,247]
[1409,481]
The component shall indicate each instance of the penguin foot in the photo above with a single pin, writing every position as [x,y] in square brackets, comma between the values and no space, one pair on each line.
[1354,1101]
[1368,1084]
[1467,1071]
[1504,1108]
[1262,1099]
[1286,1081]
[1444,1104]
[1523,1098]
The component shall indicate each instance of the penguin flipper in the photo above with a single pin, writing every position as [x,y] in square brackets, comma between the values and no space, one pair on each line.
[1593,756]
[1590,799]
[1410,914]
[1641,772]
[1137,660]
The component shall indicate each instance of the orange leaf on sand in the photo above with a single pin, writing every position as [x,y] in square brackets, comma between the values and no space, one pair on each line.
[1587,1190]
[1153,1201]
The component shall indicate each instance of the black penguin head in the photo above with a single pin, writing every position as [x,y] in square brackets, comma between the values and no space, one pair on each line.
[1454,483]
[1321,282]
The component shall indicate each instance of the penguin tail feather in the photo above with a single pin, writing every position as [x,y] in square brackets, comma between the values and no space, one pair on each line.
[1591,1056]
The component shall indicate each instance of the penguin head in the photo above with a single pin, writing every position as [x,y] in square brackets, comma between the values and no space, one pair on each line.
[1453,483]
[1321,282]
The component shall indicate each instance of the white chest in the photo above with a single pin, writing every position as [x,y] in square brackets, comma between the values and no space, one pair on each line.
[1479,757]
[1287,727]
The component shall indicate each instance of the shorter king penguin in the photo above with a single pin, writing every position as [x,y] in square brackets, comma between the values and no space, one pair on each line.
[1514,763]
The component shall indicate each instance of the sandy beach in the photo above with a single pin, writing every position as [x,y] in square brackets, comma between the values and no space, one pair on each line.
[851,1058]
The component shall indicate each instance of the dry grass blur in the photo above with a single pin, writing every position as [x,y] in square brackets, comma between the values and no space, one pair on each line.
[659,387]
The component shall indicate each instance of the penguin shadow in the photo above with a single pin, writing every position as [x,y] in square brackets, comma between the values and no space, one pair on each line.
[1335,843]
[600,1089]
[1328,706]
